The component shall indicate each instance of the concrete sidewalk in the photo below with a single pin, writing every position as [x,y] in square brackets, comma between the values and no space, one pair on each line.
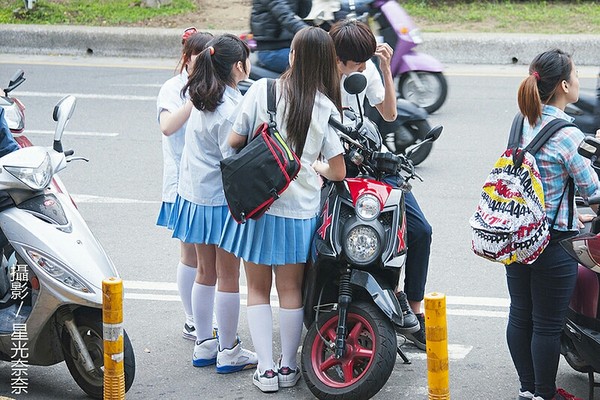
[451,48]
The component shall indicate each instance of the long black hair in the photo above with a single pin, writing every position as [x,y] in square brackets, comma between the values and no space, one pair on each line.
[213,71]
[313,69]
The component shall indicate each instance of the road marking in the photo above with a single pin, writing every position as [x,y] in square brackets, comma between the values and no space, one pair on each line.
[132,288]
[455,352]
[100,134]
[86,198]
[85,96]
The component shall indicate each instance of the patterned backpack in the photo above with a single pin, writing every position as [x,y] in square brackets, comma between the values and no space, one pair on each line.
[510,222]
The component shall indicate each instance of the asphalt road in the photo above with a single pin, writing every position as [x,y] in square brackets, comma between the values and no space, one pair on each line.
[118,193]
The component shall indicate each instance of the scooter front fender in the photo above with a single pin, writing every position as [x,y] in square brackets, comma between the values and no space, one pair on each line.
[417,61]
[385,299]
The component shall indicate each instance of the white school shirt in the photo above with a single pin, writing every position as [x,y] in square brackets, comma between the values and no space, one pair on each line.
[205,146]
[375,91]
[301,199]
[170,99]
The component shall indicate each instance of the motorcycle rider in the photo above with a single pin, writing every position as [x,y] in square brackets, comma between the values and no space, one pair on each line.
[355,44]
[8,144]
[273,24]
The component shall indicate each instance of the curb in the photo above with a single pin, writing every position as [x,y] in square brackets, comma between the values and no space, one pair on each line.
[451,48]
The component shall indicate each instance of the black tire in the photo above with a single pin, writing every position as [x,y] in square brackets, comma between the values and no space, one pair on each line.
[567,348]
[417,129]
[89,324]
[375,334]
[434,93]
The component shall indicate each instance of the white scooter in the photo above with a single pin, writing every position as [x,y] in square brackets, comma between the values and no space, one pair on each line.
[52,269]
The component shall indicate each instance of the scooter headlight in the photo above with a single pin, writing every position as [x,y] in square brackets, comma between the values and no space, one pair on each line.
[58,271]
[362,245]
[367,207]
[37,178]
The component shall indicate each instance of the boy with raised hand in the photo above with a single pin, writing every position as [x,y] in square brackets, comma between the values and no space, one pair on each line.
[355,45]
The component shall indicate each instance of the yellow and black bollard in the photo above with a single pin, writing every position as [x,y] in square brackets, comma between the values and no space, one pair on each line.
[112,319]
[436,332]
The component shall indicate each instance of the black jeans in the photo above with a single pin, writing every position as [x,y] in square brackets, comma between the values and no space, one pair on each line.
[418,238]
[539,300]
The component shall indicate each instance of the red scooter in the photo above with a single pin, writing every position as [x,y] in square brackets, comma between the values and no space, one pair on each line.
[350,310]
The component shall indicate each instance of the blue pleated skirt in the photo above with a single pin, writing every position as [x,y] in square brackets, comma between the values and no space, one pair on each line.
[269,240]
[193,223]
[164,215]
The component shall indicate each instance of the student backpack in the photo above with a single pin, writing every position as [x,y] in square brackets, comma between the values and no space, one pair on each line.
[510,223]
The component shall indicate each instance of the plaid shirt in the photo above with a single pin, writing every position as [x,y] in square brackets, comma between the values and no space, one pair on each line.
[557,160]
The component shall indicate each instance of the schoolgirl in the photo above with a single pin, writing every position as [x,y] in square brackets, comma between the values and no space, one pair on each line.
[200,205]
[308,94]
[173,107]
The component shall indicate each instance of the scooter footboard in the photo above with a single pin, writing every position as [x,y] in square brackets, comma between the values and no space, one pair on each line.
[385,299]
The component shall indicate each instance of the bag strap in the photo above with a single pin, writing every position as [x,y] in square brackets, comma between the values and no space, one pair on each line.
[271,104]
[538,141]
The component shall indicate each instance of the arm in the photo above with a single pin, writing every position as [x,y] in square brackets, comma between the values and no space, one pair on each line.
[334,169]
[170,122]
[236,140]
[286,16]
[387,108]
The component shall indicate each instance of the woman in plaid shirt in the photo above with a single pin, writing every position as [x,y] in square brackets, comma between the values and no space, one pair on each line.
[540,292]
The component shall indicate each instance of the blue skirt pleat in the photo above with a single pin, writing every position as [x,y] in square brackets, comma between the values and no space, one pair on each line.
[164,215]
[194,223]
[269,240]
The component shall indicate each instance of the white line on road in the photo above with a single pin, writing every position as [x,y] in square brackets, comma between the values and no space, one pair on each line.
[450,300]
[86,96]
[86,198]
[100,134]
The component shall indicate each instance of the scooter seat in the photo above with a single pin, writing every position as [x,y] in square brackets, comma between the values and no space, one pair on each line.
[258,72]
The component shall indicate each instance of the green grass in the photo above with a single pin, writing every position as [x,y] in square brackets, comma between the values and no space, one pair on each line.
[506,16]
[86,12]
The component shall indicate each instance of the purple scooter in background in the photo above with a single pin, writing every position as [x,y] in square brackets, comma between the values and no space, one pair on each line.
[420,77]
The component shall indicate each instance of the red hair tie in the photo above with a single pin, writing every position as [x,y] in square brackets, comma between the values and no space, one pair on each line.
[187,33]
[536,75]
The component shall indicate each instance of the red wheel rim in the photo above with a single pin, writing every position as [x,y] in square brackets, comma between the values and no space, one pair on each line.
[357,359]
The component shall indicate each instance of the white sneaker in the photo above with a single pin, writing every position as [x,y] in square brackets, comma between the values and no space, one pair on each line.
[189,330]
[205,352]
[235,359]
[526,395]
[288,377]
[267,381]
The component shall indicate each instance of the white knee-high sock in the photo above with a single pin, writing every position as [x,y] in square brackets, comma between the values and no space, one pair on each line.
[260,323]
[227,308]
[203,302]
[185,281]
[290,331]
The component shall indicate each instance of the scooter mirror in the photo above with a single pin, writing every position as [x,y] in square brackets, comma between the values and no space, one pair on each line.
[355,83]
[63,110]
[434,133]
[590,148]
[15,81]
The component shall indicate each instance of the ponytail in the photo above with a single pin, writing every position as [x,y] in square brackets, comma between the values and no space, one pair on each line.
[213,71]
[546,72]
[529,100]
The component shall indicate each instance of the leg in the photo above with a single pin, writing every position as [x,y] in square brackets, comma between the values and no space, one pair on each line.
[260,319]
[274,60]
[203,291]
[186,273]
[552,283]
[519,328]
[203,299]
[227,299]
[417,258]
[288,279]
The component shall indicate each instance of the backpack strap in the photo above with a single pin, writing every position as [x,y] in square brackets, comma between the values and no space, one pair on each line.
[540,139]
[516,130]
[271,105]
